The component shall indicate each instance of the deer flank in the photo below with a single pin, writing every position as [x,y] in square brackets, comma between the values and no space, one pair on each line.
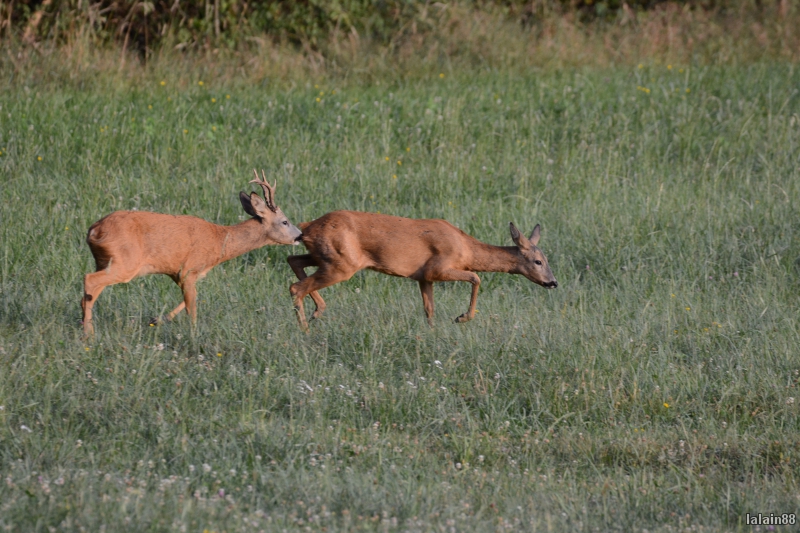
[129,244]
[343,242]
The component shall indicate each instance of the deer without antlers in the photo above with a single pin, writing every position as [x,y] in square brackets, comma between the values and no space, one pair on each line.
[129,244]
[343,242]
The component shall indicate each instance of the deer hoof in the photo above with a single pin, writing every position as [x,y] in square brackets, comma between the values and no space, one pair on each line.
[463,318]
[156,320]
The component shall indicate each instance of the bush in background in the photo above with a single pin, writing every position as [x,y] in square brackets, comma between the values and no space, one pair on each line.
[146,25]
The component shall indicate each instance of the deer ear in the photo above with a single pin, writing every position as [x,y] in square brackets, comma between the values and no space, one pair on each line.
[517,237]
[247,204]
[259,206]
[535,234]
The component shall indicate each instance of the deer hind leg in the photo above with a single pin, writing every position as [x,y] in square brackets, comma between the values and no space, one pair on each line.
[426,288]
[320,279]
[298,263]
[470,277]
[93,285]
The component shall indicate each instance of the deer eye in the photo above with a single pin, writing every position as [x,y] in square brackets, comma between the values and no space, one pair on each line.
[538,262]
[285,222]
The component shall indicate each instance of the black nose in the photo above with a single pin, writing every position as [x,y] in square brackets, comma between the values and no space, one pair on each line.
[553,284]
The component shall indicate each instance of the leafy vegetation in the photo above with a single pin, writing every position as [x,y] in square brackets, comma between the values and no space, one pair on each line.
[150,26]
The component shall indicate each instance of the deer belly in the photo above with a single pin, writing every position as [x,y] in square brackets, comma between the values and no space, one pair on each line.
[390,271]
[147,269]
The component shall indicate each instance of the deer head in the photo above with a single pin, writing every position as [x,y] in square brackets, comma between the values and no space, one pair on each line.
[275,223]
[534,265]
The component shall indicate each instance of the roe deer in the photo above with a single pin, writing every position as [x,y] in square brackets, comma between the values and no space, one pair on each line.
[343,242]
[128,244]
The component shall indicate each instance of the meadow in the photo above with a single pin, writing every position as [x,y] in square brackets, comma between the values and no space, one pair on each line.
[654,390]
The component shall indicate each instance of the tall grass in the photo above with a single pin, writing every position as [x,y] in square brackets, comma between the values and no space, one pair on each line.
[655,389]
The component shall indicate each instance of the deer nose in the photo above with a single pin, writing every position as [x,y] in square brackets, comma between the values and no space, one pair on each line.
[553,284]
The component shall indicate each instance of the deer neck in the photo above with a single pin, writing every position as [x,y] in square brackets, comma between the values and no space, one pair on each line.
[242,238]
[490,258]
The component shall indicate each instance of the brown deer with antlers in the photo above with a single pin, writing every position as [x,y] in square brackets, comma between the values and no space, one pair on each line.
[129,244]
[343,242]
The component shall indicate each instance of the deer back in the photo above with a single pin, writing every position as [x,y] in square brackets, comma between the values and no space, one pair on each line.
[392,245]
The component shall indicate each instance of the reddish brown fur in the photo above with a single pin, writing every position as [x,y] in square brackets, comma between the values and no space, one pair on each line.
[129,244]
[343,242]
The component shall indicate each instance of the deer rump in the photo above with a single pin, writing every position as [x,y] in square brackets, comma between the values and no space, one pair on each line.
[151,242]
[426,250]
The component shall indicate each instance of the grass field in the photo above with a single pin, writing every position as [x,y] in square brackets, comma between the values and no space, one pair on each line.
[654,390]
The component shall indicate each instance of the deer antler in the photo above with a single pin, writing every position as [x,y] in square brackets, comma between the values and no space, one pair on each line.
[269,190]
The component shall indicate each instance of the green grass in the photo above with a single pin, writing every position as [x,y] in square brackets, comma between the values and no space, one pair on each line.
[655,389]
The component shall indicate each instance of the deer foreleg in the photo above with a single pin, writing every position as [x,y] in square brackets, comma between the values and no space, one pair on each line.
[189,297]
[298,263]
[426,288]
[180,307]
[473,301]
[318,280]
[470,277]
